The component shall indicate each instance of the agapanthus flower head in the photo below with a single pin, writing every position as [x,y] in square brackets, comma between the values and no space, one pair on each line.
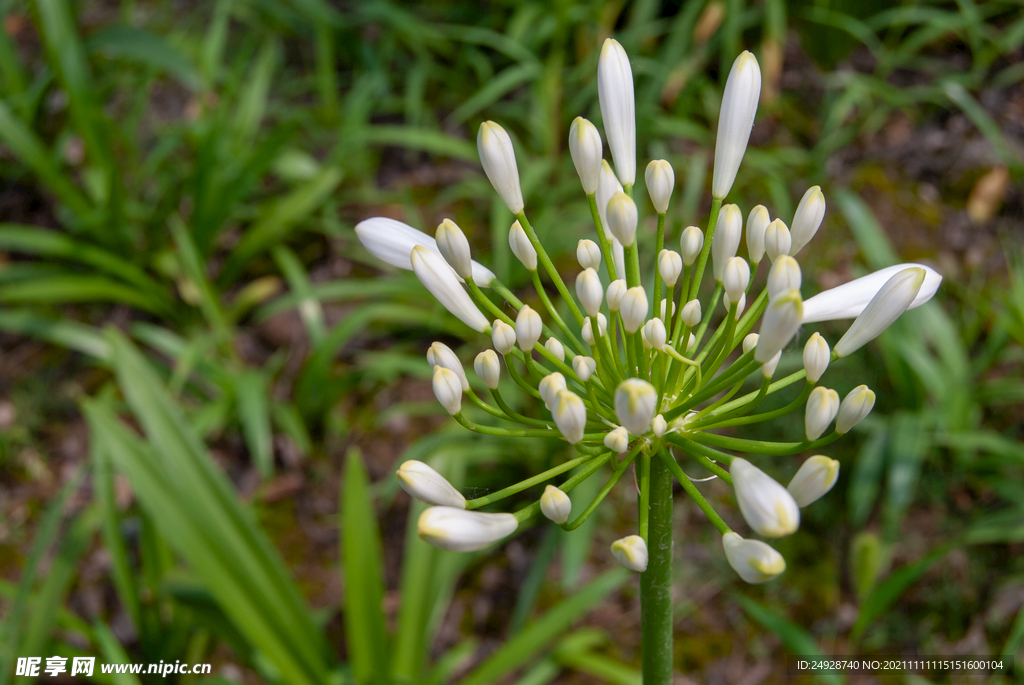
[646,371]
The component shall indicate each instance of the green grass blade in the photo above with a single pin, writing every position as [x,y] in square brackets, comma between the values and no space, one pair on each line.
[280,218]
[422,139]
[364,576]
[253,102]
[539,635]
[72,335]
[149,49]
[310,311]
[251,395]
[113,653]
[63,288]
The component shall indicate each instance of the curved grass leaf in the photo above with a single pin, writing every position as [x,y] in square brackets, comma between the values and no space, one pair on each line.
[149,49]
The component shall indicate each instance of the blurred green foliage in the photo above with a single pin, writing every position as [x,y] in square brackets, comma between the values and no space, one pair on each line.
[194,175]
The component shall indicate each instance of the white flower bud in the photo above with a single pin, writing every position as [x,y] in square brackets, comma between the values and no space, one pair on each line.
[585,148]
[617,440]
[584,366]
[767,507]
[822,405]
[664,307]
[660,180]
[616,291]
[503,337]
[655,333]
[750,342]
[777,239]
[814,479]
[633,309]
[778,325]
[464,531]
[691,241]
[634,405]
[739,105]
[754,561]
[427,485]
[607,186]
[549,387]
[439,354]
[691,313]
[588,332]
[757,224]
[454,247]
[440,280]
[488,368]
[894,298]
[691,343]
[670,265]
[588,254]
[555,505]
[521,246]
[643,339]
[659,425]
[807,219]
[768,368]
[816,357]
[615,94]
[740,306]
[447,389]
[392,241]
[570,416]
[590,291]
[726,239]
[528,328]
[783,276]
[847,301]
[499,162]
[555,347]
[736,278]
[631,552]
[855,407]
[622,218]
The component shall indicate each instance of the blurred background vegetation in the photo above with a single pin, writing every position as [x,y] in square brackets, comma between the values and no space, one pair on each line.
[206,384]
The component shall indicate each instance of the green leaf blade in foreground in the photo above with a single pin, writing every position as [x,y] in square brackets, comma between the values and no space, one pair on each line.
[364,576]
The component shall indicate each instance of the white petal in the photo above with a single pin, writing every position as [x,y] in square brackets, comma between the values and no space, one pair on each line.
[847,301]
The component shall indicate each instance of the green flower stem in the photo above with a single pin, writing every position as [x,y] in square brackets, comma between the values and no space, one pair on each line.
[641,354]
[579,520]
[656,581]
[753,404]
[776,449]
[753,313]
[592,450]
[630,342]
[493,411]
[774,387]
[485,301]
[514,373]
[724,421]
[500,288]
[716,206]
[528,483]
[615,370]
[727,340]
[739,369]
[628,190]
[658,374]
[570,336]
[632,265]
[714,468]
[645,495]
[603,371]
[722,400]
[630,456]
[691,446]
[506,432]
[672,375]
[659,245]
[602,239]
[515,416]
[679,297]
[531,510]
[549,267]
[693,492]
[566,370]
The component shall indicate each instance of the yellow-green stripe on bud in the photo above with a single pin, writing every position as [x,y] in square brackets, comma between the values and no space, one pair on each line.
[584,367]
[814,479]
[822,405]
[660,180]
[855,408]
[498,158]
[585,149]
[754,561]
[488,368]
[635,401]
[447,389]
[427,485]
[464,531]
[555,504]
[631,552]
[766,506]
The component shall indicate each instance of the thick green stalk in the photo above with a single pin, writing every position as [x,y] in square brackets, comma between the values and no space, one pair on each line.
[602,239]
[656,581]
[702,261]
[570,336]
[659,245]
[542,255]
